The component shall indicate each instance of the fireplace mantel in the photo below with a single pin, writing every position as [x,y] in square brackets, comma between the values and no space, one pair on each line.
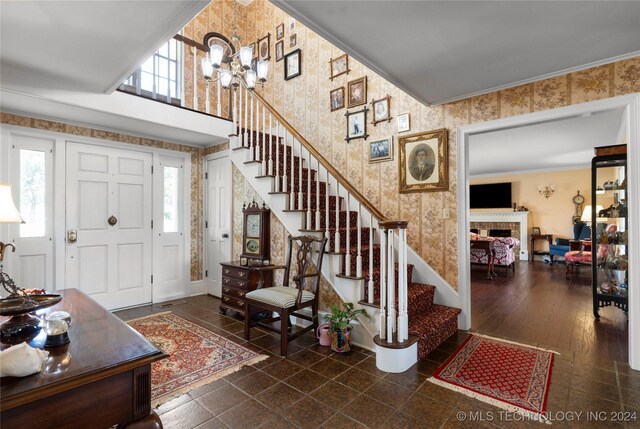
[520,218]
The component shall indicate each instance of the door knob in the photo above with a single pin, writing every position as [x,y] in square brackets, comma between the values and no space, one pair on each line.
[225,235]
[72,236]
[112,220]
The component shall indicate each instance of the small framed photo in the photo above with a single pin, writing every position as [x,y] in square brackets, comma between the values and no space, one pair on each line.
[292,25]
[535,230]
[357,124]
[357,92]
[339,66]
[293,40]
[404,123]
[292,64]
[279,50]
[381,109]
[253,49]
[280,31]
[243,261]
[337,98]
[381,150]
[424,162]
[264,48]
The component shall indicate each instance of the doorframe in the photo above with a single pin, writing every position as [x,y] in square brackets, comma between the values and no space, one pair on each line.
[631,105]
[205,191]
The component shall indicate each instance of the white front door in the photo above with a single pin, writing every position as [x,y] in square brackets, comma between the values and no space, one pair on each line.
[108,210]
[218,221]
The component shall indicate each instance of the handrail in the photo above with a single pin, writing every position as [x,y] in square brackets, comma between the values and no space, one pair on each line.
[190,42]
[343,181]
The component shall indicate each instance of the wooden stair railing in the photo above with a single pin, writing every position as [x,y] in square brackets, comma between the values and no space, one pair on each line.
[282,152]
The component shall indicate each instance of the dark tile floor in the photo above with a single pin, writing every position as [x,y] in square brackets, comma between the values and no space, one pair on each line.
[315,388]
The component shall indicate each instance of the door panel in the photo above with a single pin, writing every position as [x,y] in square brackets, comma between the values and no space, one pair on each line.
[219,219]
[111,263]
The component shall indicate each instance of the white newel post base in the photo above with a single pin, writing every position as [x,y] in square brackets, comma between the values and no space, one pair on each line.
[396,360]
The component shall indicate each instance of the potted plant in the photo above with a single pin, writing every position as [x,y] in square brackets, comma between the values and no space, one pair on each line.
[339,327]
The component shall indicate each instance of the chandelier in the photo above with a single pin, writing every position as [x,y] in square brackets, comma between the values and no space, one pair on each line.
[239,71]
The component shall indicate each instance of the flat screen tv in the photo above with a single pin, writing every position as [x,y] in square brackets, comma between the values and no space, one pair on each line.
[490,196]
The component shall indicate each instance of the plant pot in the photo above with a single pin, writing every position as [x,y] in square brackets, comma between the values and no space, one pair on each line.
[341,340]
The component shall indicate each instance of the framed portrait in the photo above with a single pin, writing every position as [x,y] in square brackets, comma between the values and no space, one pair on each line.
[535,230]
[424,161]
[381,109]
[357,92]
[264,47]
[292,64]
[280,31]
[211,39]
[279,50]
[403,123]
[381,150]
[337,98]
[292,24]
[254,52]
[357,124]
[293,40]
[339,66]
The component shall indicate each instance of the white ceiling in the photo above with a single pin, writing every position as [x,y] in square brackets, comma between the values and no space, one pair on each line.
[548,146]
[439,51]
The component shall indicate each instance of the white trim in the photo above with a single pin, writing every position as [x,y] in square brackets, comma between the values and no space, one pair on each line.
[216,155]
[532,171]
[631,104]
[197,288]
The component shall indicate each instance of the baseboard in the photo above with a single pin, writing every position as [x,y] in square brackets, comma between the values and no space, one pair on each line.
[197,288]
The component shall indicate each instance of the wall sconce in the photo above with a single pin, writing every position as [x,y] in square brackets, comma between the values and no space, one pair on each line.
[546,190]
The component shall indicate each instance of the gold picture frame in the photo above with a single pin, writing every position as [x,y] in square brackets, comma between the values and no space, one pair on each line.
[423,162]
[339,66]
[336,99]
[357,92]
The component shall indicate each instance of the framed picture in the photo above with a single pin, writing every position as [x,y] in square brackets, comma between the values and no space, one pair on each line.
[339,66]
[211,39]
[254,53]
[254,63]
[357,92]
[292,24]
[292,64]
[381,150]
[535,230]
[357,124]
[424,162]
[280,31]
[293,39]
[381,109]
[337,98]
[403,123]
[279,50]
[264,47]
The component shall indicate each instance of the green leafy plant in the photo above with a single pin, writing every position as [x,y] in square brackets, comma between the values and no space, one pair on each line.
[339,319]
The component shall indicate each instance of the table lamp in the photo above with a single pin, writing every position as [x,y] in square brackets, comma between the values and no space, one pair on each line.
[586,214]
[22,326]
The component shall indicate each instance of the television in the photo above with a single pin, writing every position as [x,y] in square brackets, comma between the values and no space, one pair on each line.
[490,196]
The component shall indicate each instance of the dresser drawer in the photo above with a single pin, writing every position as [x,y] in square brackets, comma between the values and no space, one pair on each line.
[233,292]
[233,302]
[238,273]
[230,281]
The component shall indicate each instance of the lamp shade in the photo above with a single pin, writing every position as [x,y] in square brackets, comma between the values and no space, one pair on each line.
[251,79]
[207,67]
[586,213]
[225,78]
[263,69]
[217,52]
[8,211]
[246,53]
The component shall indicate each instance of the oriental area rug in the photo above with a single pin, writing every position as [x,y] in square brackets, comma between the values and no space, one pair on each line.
[508,375]
[197,356]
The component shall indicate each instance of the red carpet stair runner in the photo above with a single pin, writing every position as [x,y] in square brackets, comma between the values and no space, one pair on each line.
[432,323]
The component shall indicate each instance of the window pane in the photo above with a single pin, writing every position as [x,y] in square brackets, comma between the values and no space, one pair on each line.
[32,190]
[148,65]
[163,50]
[171,199]
[161,86]
[146,81]
[162,67]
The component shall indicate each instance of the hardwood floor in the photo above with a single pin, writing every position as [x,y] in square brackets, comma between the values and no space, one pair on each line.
[539,306]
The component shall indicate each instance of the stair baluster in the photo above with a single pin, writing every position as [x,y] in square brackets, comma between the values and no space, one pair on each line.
[265,160]
[278,186]
[300,195]
[246,114]
[255,128]
[336,238]
[316,224]
[370,283]
[293,176]
[326,206]
[235,113]
[347,230]
[241,124]
[308,217]
[403,317]
[359,250]
[391,289]
[383,284]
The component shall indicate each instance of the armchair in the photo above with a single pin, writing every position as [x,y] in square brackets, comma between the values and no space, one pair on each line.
[581,231]
[504,255]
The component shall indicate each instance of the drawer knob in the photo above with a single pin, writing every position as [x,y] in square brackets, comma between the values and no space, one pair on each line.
[226,271]
[227,290]
[241,284]
[226,280]
[241,294]
[241,303]
[242,274]
[226,298]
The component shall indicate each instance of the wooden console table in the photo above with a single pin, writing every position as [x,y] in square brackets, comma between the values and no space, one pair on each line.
[103,375]
[489,249]
[532,241]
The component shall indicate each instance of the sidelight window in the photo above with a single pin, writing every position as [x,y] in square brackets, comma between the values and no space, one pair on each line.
[32,193]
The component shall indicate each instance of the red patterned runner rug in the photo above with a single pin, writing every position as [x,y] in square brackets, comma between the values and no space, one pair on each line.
[508,375]
[197,356]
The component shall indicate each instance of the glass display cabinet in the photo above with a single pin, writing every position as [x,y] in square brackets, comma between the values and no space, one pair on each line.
[609,236]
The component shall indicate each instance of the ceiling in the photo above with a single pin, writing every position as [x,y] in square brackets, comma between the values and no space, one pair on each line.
[440,51]
[549,146]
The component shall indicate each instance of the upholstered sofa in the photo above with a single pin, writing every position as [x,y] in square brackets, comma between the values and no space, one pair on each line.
[504,256]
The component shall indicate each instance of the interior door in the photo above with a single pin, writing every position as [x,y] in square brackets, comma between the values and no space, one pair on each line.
[108,224]
[218,231]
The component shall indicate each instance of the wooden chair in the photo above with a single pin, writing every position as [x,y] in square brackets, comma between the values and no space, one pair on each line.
[287,299]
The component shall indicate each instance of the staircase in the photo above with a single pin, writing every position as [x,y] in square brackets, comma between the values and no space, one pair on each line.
[368,255]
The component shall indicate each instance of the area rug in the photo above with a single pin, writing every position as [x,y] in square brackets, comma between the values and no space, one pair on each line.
[511,376]
[197,356]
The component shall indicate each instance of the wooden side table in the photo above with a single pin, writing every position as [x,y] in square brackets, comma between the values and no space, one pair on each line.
[532,241]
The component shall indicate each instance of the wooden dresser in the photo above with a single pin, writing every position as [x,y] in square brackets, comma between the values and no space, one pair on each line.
[237,280]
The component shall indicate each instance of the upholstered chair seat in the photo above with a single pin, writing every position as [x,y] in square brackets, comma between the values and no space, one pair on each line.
[279,295]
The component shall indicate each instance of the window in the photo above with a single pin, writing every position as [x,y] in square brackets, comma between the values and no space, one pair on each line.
[159,75]
[171,184]
[32,193]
